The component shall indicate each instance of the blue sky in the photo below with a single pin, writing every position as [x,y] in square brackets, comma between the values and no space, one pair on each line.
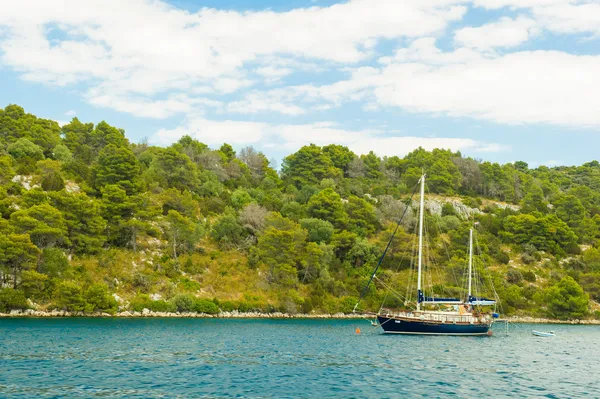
[500,80]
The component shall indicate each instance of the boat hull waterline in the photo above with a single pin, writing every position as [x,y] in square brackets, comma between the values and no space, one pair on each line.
[393,325]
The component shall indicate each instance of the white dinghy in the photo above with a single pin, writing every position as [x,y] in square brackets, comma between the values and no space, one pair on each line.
[543,334]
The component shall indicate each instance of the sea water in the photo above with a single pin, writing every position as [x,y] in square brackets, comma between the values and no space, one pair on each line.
[225,358]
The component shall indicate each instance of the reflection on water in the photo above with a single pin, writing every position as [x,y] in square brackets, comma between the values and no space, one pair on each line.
[194,358]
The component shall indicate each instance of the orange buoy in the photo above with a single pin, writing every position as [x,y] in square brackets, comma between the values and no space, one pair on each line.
[358,330]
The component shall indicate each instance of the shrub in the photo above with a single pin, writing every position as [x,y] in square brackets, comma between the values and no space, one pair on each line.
[12,299]
[226,306]
[99,299]
[472,202]
[161,306]
[141,282]
[205,306]
[448,210]
[139,302]
[514,276]
[347,304]
[189,285]
[527,258]
[183,302]
[529,276]
[567,300]
[35,285]
[68,295]
[54,262]
[502,257]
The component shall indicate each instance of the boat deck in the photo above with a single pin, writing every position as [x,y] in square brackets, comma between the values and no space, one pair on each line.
[439,317]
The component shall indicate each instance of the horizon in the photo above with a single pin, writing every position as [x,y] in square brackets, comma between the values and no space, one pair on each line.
[500,80]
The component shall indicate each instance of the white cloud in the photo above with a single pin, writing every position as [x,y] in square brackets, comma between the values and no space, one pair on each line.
[506,32]
[526,87]
[71,112]
[425,51]
[256,102]
[548,87]
[69,41]
[192,63]
[563,16]
[288,137]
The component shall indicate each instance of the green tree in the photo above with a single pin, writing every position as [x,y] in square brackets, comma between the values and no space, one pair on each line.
[228,152]
[54,263]
[567,300]
[318,230]
[340,155]
[443,176]
[327,205]
[183,233]
[78,139]
[361,216]
[26,153]
[62,153]
[17,253]
[6,170]
[85,226]
[279,247]
[570,210]
[24,148]
[43,223]
[294,211]
[36,285]
[372,165]
[546,233]
[50,175]
[309,165]
[240,198]
[68,295]
[534,201]
[11,298]
[117,166]
[227,231]
[98,299]
[117,209]
[171,168]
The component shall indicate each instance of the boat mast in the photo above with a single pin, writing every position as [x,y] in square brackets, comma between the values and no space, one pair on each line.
[470,262]
[420,262]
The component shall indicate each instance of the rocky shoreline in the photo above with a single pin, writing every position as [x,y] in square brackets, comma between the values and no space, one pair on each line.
[148,313]
[248,315]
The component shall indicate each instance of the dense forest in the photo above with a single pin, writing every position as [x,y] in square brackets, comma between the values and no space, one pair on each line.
[92,222]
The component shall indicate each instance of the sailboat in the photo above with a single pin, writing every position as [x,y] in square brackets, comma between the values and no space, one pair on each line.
[464,317]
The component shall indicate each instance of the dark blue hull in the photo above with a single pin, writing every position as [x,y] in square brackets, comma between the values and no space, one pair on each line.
[403,326]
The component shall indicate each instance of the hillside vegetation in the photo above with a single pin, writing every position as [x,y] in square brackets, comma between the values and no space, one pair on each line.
[91,222]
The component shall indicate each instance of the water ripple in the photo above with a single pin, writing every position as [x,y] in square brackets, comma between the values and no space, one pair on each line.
[194,358]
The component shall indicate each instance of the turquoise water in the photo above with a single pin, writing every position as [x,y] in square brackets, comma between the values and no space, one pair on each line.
[196,358]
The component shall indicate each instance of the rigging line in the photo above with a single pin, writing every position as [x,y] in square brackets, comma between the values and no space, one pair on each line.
[398,295]
[489,277]
[437,221]
[411,273]
[364,291]
[396,270]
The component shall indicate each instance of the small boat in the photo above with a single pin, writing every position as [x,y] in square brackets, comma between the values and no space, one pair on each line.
[543,334]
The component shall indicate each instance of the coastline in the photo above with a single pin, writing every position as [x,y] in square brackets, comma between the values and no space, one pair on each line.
[30,313]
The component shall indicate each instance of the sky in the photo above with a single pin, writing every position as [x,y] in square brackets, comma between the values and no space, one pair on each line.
[498,80]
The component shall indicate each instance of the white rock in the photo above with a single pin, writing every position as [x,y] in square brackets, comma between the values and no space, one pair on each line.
[72,187]
[155,297]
